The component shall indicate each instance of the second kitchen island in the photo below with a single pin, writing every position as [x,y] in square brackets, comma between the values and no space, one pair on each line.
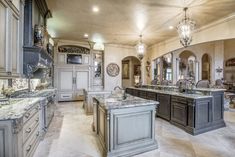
[125,127]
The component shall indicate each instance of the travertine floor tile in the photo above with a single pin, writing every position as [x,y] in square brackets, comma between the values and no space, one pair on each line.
[70,135]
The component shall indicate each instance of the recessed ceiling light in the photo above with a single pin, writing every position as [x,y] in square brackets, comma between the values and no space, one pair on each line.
[171,27]
[95,9]
[86,35]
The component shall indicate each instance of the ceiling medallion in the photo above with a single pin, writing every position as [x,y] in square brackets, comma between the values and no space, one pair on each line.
[113,69]
[185,28]
[140,48]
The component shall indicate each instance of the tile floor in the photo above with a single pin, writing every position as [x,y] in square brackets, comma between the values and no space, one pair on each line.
[70,135]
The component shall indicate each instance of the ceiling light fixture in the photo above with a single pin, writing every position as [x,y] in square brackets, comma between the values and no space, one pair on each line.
[140,48]
[95,9]
[171,27]
[185,28]
[86,35]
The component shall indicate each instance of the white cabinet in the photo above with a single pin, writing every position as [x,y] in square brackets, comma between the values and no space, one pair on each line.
[9,39]
[82,78]
[66,80]
[71,82]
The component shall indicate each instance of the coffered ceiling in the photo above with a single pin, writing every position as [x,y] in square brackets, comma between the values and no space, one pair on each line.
[121,21]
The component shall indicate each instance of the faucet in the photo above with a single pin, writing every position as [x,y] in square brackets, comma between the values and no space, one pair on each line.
[117,87]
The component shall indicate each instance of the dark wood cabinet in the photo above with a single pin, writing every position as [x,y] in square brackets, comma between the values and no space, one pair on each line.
[143,94]
[194,115]
[164,107]
[179,112]
[129,91]
[151,96]
[135,93]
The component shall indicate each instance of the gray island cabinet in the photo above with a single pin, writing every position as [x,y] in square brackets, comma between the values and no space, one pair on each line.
[19,127]
[194,113]
[125,127]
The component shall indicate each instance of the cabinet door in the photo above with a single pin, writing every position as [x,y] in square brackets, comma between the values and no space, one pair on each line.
[3,21]
[82,80]
[179,113]
[66,80]
[14,43]
[164,107]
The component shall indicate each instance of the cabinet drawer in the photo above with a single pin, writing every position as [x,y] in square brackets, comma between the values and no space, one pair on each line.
[30,126]
[179,113]
[179,99]
[151,95]
[67,96]
[31,144]
[29,114]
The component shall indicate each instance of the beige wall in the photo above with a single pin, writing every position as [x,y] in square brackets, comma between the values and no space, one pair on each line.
[229,52]
[219,30]
[132,62]
[115,54]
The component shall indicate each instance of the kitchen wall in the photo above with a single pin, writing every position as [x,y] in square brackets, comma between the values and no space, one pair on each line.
[229,52]
[219,30]
[115,54]
[132,63]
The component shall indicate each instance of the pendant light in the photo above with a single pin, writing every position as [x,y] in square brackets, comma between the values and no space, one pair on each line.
[140,48]
[185,29]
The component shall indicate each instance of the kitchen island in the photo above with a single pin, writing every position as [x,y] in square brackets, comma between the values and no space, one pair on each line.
[195,113]
[125,125]
[19,127]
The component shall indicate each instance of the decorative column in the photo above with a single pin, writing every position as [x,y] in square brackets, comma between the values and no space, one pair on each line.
[196,71]
[177,74]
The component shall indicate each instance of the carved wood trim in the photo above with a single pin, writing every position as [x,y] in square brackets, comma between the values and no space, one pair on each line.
[73,49]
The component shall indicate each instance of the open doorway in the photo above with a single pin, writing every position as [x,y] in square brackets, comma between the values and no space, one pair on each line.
[206,64]
[131,71]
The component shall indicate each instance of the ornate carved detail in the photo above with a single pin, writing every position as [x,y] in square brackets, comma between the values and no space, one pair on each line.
[230,62]
[73,49]
[17,125]
[113,69]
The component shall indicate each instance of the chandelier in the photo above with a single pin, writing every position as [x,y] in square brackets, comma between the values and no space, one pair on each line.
[185,28]
[140,48]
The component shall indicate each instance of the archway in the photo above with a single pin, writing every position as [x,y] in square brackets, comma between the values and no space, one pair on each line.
[187,66]
[131,71]
[206,67]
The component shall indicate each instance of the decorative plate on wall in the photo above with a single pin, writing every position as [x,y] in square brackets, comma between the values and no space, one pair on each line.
[113,69]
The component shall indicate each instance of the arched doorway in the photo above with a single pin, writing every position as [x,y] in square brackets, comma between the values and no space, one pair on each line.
[131,71]
[187,66]
[206,67]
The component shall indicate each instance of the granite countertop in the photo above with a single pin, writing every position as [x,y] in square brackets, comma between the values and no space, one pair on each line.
[191,96]
[97,91]
[116,102]
[17,108]
[195,89]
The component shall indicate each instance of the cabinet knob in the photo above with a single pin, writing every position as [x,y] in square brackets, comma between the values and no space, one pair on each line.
[28,148]
[27,115]
[28,130]
[37,120]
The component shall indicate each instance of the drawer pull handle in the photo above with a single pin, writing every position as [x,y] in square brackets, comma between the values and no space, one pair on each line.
[27,115]
[28,148]
[28,130]
[37,134]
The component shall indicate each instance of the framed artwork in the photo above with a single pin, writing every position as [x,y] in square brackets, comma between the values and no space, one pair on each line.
[125,69]
[137,70]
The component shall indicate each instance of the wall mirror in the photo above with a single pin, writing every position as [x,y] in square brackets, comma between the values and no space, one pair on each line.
[167,67]
[187,65]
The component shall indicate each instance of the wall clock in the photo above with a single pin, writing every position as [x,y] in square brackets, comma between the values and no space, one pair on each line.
[113,69]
